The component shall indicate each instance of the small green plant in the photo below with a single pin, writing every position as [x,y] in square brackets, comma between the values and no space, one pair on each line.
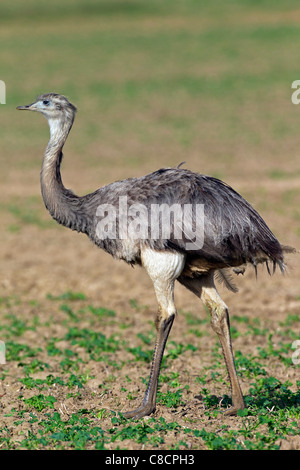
[101,311]
[140,354]
[94,342]
[18,351]
[40,402]
[177,349]
[170,399]
[68,296]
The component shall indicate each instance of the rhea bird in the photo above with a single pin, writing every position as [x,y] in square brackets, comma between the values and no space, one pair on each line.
[233,235]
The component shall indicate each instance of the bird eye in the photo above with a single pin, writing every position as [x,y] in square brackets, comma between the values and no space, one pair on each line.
[46,102]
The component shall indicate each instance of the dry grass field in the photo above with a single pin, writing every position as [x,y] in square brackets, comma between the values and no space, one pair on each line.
[155,83]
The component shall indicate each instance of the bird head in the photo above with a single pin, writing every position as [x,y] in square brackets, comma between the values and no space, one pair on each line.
[52,106]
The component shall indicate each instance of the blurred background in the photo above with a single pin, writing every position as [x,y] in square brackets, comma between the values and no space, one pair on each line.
[156,83]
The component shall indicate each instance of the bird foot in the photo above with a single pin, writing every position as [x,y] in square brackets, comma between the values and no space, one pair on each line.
[140,412]
[233,411]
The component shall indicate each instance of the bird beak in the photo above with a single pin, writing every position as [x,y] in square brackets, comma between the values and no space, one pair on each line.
[28,107]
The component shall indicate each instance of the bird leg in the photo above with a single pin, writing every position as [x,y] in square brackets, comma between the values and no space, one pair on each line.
[148,405]
[163,268]
[204,288]
[220,324]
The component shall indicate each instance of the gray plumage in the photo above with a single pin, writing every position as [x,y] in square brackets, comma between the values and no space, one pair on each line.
[234,233]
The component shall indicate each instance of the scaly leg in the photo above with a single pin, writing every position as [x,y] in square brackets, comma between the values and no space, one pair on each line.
[204,288]
[163,268]
[149,402]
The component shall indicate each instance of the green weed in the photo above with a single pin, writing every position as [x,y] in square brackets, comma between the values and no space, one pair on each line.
[40,402]
[69,295]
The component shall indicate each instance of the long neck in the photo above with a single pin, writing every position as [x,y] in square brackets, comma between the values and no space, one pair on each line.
[63,205]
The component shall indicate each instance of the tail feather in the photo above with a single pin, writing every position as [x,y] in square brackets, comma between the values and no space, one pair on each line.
[276,258]
[224,277]
[286,249]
